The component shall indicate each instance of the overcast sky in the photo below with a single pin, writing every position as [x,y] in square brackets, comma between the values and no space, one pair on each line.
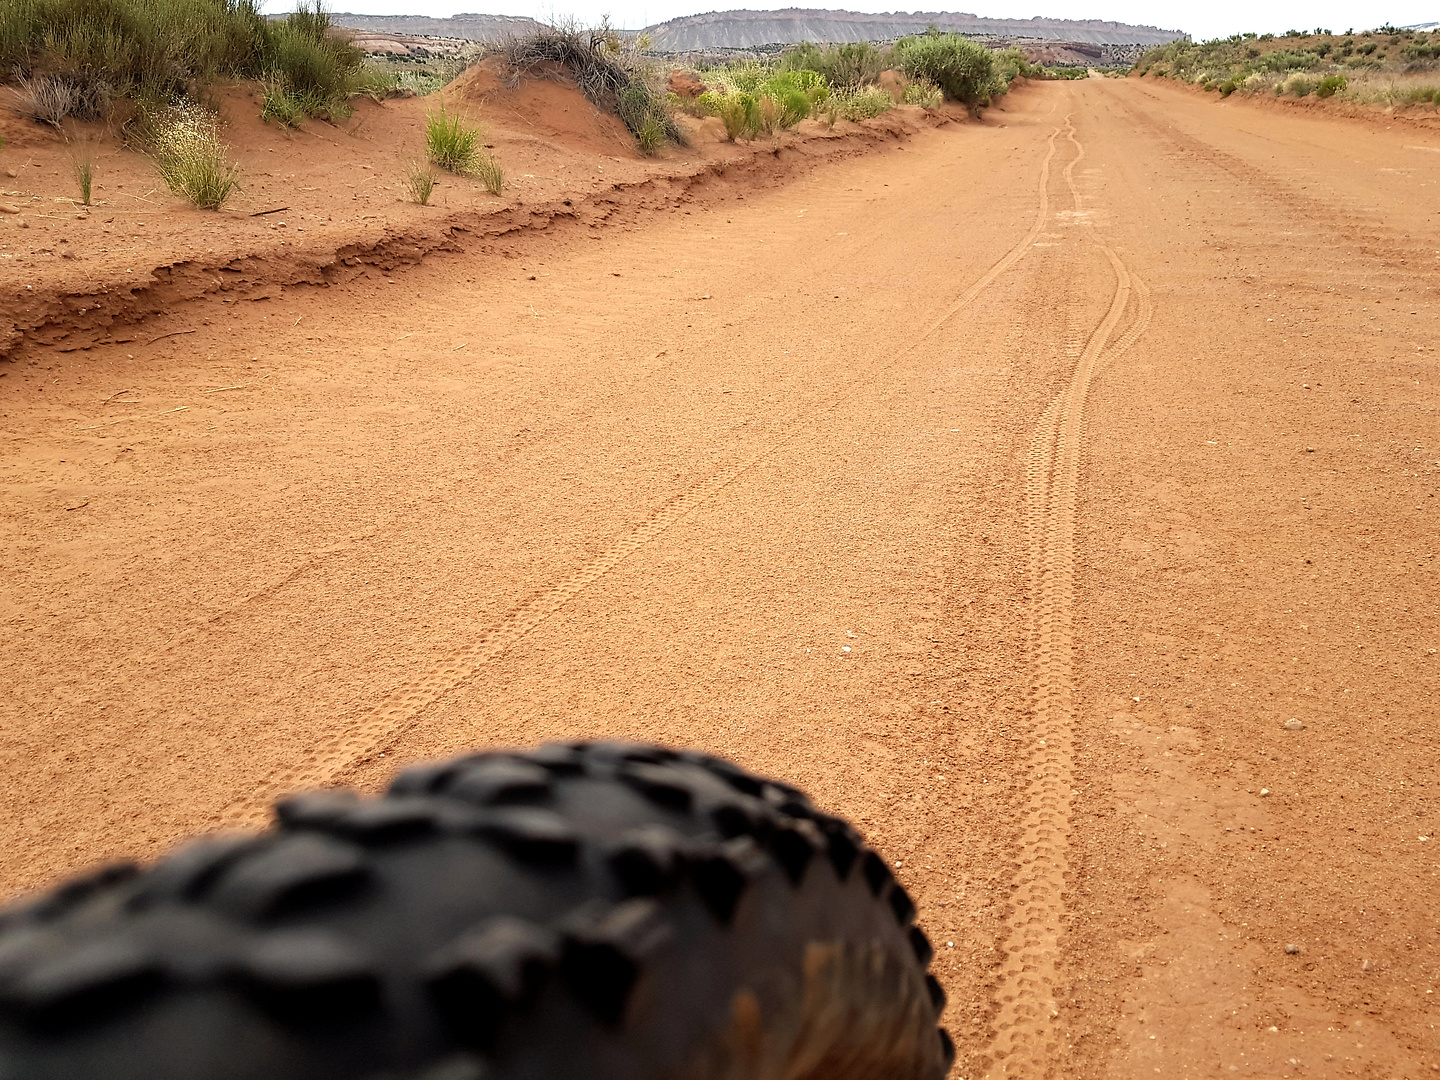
[1214,18]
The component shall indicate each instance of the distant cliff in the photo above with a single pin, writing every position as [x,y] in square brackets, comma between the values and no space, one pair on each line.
[748,29]
[470,27]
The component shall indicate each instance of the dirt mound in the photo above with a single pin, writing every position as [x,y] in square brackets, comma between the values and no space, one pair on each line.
[544,103]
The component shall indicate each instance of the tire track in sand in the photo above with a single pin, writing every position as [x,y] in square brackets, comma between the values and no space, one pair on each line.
[1025,1039]
[363,737]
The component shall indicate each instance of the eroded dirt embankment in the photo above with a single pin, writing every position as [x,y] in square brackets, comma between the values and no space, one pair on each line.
[328,202]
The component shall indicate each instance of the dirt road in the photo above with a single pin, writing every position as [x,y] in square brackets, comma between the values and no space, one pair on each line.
[1009,490]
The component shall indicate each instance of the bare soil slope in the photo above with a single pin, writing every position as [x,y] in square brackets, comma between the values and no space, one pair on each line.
[1011,490]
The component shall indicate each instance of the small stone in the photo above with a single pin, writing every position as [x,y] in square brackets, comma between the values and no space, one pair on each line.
[1292,948]
[1264,791]
[9,208]
[1294,724]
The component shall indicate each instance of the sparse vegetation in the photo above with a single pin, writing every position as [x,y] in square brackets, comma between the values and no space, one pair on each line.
[452,143]
[50,99]
[75,58]
[613,73]
[420,179]
[490,173]
[1383,67]
[82,161]
[184,142]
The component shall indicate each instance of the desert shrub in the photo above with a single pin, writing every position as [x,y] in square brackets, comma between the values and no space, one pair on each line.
[1010,64]
[1299,85]
[841,66]
[1330,85]
[452,143]
[924,93]
[140,48]
[777,103]
[161,50]
[489,172]
[306,57]
[184,143]
[794,96]
[864,103]
[646,113]
[962,69]
[374,83]
[651,136]
[740,115]
[1289,60]
[279,105]
[603,67]
[48,98]
[745,76]
[420,179]
[706,104]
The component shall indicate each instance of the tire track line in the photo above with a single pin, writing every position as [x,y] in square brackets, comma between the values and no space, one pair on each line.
[323,762]
[1025,1040]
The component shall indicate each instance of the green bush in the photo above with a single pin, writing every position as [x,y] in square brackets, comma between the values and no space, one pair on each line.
[451,143]
[156,49]
[740,115]
[841,66]
[278,104]
[1330,85]
[1010,64]
[962,69]
[162,50]
[707,104]
[651,136]
[795,94]
[308,59]
[646,113]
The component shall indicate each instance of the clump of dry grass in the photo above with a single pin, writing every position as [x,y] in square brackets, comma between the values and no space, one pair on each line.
[84,175]
[420,179]
[185,145]
[489,172]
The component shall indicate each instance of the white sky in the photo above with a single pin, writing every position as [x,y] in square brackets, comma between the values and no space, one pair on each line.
[1202,19]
